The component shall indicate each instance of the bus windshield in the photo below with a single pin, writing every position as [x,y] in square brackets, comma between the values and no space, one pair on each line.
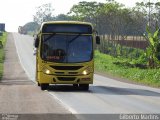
[66,48]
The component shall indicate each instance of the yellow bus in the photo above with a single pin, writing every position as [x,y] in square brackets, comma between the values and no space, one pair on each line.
[65,54]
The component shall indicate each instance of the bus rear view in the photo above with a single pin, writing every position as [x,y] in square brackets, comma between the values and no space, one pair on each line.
[65,54]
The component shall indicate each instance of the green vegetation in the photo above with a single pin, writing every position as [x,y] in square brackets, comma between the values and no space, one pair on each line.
[31,28]
[110,17]
[140,66]
[114,21]
[114,49]
[153,50]
[127,68]
[3,41]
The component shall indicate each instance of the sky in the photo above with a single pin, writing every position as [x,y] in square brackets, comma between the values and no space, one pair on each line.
[16,13]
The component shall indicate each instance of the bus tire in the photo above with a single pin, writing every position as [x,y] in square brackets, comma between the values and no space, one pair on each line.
[84,86]
[38,83]
[44,86]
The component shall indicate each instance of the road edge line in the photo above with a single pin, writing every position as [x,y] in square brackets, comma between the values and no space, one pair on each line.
[63,104]
[21,61]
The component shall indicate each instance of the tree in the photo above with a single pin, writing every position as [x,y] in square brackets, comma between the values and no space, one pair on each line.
[44,13]
[62,17]
[85,11]
[31,27]
[109,17]
[139,21]
[157,7]
[153,50]
[152,12]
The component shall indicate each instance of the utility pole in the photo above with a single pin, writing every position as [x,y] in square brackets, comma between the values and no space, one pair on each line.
[149,14]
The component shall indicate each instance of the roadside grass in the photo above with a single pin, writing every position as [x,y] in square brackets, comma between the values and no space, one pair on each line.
[2,54]
[125,68]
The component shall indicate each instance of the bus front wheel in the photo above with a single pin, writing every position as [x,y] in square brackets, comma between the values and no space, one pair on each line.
[38,83]
[44,86]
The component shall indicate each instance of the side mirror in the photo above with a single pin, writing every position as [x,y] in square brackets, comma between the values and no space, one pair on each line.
[36,42]
[97,40]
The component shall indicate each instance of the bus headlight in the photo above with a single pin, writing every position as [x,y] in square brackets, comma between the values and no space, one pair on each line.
[87,71]
[46,71]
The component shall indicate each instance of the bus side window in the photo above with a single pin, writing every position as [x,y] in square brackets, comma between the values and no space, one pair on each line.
[36,42]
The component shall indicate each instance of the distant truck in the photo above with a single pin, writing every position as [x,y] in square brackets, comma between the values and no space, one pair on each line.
[22,30]
[2,27]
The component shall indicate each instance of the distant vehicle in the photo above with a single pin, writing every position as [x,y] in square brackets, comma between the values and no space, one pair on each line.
[64,54]
[2,27]
[21,30]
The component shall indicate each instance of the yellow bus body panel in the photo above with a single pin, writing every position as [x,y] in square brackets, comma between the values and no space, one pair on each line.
[65,76]
[69,73]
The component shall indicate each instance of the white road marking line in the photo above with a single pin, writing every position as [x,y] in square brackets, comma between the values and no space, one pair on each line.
[21,61]
[63,104]
[60,101]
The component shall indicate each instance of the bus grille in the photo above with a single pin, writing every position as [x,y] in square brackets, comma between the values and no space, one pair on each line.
[74,73]
[66,67]
[66,78]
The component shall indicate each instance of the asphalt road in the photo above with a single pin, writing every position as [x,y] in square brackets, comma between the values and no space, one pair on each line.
[21,98]
[104,96]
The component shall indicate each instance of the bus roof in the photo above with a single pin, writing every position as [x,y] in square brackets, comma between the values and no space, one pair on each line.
[65,22]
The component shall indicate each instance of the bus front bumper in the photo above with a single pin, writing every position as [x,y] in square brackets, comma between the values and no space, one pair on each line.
[65,79]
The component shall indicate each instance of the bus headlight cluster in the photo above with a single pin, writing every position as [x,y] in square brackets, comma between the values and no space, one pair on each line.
[46,71]
[87,71]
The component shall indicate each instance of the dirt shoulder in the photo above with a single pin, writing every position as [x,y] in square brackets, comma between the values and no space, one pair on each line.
[18,94]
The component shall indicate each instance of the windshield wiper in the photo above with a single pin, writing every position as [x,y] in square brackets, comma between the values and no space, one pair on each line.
[49,37]
[75,38]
